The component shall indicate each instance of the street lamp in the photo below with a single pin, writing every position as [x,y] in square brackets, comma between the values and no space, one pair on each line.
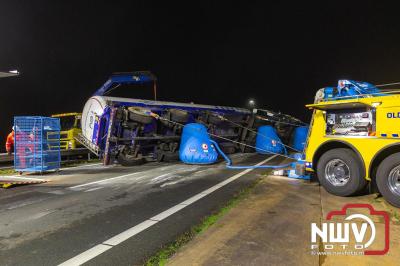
[251,103]
[9,73]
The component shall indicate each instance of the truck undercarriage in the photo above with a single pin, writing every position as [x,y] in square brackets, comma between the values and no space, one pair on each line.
[133,130]
[137,135]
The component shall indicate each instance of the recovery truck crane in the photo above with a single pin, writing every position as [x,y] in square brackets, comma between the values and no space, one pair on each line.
[354,139]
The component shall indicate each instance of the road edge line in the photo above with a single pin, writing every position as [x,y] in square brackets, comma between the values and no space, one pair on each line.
[125,235]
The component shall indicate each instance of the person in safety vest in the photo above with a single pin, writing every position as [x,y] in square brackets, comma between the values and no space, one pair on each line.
[10,142]
[24,148]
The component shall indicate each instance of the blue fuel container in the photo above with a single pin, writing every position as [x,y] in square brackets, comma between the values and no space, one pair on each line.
[299,138]
[195,147]
[267,140]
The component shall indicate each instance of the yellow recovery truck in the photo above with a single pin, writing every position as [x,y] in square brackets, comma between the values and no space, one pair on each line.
[354,139]
[70,128]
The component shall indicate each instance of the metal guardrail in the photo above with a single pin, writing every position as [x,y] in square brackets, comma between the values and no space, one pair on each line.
[5,158]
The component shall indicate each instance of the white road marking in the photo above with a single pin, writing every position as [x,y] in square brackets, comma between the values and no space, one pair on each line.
[193,199]
[56,192]
[87,255]
[160,176]
[129,233]
[104,180]
[40,215]
[108,244]
[26,203]
[141,177]
[80,166]
[161,216]
[171,183]
[93,189]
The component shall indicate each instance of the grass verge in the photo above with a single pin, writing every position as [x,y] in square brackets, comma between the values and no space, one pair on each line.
[161,257]
[9,171]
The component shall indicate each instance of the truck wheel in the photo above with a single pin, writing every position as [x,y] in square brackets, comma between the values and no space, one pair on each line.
[388,179]
[340,172]
[129,160]
[140,115]
[168,157]
[178,115]
[227,148]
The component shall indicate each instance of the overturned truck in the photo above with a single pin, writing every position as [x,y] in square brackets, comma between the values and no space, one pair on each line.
[133,130]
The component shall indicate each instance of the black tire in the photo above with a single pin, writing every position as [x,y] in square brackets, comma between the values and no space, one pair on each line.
[168,157]
[214,119]
[248,149]
[386,171]
[130,125]
[235,118]
[127,160]
[228,149]
[179,116]
[341,172]
[140,115]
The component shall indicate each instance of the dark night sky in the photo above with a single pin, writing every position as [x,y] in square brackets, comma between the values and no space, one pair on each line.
[211,53]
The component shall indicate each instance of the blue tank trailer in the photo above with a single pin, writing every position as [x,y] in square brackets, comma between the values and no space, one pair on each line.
[133,130]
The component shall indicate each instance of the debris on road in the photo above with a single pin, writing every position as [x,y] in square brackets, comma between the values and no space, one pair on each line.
[8,181]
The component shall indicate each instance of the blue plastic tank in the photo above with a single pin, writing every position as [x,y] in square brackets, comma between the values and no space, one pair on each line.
[299,138]
[267,141]
[195,147]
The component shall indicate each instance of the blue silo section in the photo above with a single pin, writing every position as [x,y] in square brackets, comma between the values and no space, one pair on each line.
[299,138]
[267,141]
[196,147]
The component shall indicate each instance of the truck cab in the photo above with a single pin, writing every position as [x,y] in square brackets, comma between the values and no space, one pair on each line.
[354,140]
[70,129]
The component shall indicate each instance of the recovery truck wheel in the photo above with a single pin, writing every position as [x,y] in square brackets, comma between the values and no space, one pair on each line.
[388,179]
[340,172]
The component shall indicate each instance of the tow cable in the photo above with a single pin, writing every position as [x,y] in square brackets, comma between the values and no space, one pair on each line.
[230,166]
[258,133]
[229,161]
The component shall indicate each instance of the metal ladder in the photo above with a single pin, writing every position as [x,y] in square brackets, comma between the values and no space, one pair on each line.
[88,144]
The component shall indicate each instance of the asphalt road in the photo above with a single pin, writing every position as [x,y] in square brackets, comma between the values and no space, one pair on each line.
[85,207]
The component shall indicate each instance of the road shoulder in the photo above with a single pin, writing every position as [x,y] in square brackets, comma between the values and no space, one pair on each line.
[272,227]
[269,227]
